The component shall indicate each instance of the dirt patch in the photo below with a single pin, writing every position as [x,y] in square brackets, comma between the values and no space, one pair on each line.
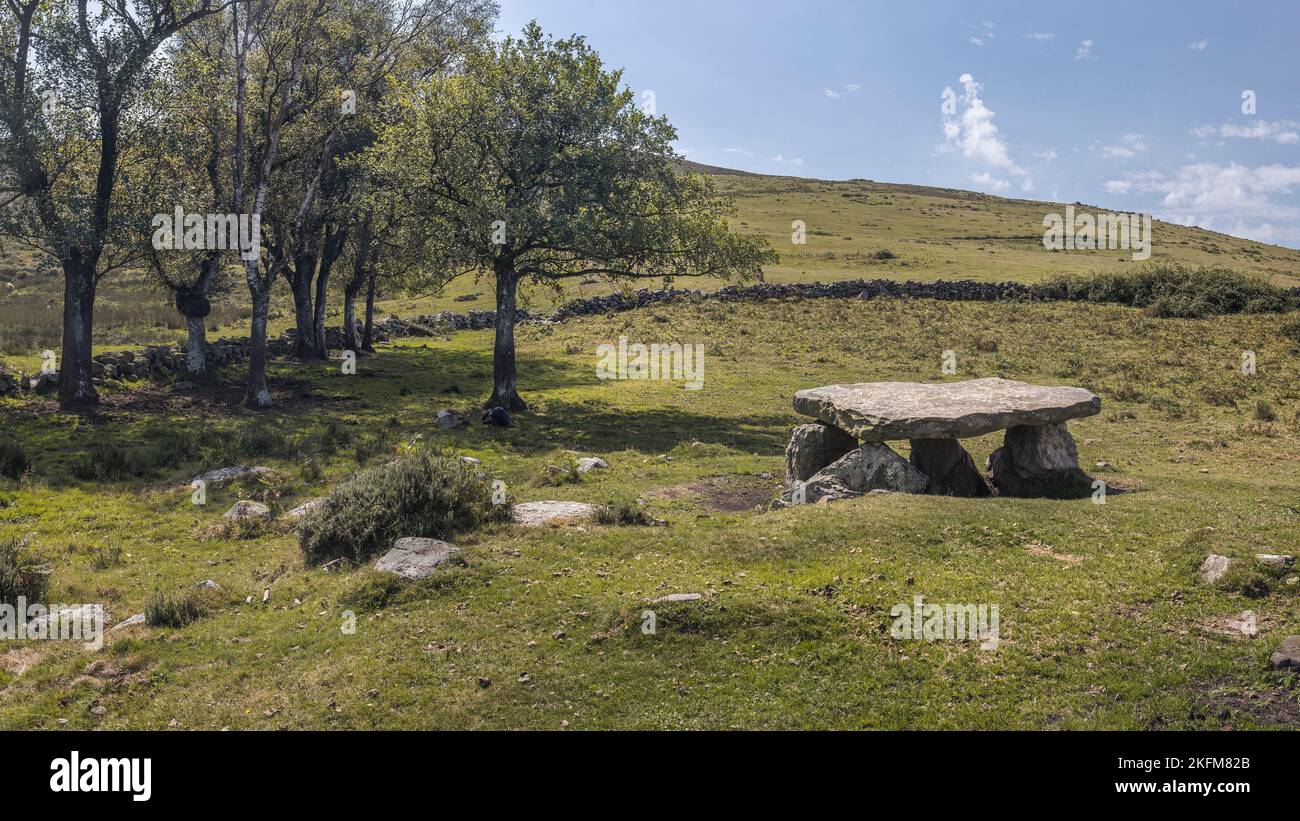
[1272,707]
[731,493]
[1040,549]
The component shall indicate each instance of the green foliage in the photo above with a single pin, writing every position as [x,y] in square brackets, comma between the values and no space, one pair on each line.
[622,513]
[1171,290]
[173,611]
[426,493]
[14,461]
[20,574]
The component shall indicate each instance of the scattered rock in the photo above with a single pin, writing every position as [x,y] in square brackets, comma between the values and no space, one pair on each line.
[304,508]
[83,620]
[248,509]
[590,463]
[1275,560]
[498,417]
[879,411]
[1213,568]
[470,460]
[449,419]
[208,584]
[415,558]
[813,447]
[531,514]
[1287,655]
[222,476]
[675,597]
[138,618]
[950,468]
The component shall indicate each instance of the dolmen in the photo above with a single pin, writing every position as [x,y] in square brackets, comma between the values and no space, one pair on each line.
[843,454]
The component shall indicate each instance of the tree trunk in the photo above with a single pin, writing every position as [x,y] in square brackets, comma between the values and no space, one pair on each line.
[504,377]
[304,271]
[259,396]
[196,359]
[76,386]
[360,268]
[332,250]
[368,337]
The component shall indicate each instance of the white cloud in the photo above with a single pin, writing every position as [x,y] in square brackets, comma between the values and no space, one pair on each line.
[1130,145]
[853,88]
[1084,50]
[743,151]
[1283,132]
[834,95]
[975,41]
[971,130]
[1046,156]
[989,181]
[1041,36]
[1199,45]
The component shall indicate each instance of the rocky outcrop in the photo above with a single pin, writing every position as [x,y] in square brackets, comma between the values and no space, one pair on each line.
[870,467]
[533,514]
[415,558]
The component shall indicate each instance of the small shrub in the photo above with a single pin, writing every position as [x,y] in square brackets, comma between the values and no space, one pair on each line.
[14,461]
[102,558]
[1264,412]
[173,611]
[883,254]
[622,513]
[1171,290]
[427,493]
[20,574]
[1290,329]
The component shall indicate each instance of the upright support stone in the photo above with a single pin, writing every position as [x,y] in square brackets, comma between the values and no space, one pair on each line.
[813,447]
[873,466]
[1036,458]
[951,469]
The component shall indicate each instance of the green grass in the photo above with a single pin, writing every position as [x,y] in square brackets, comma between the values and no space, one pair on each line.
[1103,618]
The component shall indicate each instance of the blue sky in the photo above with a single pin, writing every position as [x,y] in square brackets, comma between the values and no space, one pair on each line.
[1128,106]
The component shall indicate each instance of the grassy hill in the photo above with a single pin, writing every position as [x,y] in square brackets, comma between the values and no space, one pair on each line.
[931,233]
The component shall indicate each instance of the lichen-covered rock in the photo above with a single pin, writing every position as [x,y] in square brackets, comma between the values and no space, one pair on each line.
[1034,459]
[1213,568]
[248,509]
[532,514]
[813,447]
[415,558]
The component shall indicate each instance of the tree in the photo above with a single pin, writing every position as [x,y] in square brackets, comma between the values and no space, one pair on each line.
[537,166]
[70,75]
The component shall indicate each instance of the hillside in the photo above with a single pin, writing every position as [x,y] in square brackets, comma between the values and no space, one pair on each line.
[931,233]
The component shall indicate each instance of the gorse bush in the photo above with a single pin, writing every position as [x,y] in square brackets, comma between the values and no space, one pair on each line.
[21,574]
[14,461]
[1170,290]
[426,493]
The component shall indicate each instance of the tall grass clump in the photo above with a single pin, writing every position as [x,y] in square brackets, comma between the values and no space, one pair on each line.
[426,493]
[14,461]
[20,574]
[1172,290]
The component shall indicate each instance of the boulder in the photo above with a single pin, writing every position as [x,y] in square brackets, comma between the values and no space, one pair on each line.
[449,419]
[85,621]
[138,618]
[222,476]
[304,508]
[951,469]
[880,411]
[1275,560]
[590,463]
[1034,459]
[813,447]
[248,509]
[1213,568]
[532,514]
[871,467]
[677,597]
[415,558]
[1287,655]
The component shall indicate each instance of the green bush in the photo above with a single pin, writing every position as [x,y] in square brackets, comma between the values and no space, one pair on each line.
[20,574]
[173,611]
[426,493]
[1171,290]
[1291,329]
[14,461]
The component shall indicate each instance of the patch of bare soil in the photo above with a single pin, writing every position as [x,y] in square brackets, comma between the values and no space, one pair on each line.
[730,493]
[1272,707]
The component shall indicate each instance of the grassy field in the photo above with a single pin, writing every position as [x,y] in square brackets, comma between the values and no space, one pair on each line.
[1104,622]
[932,233]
